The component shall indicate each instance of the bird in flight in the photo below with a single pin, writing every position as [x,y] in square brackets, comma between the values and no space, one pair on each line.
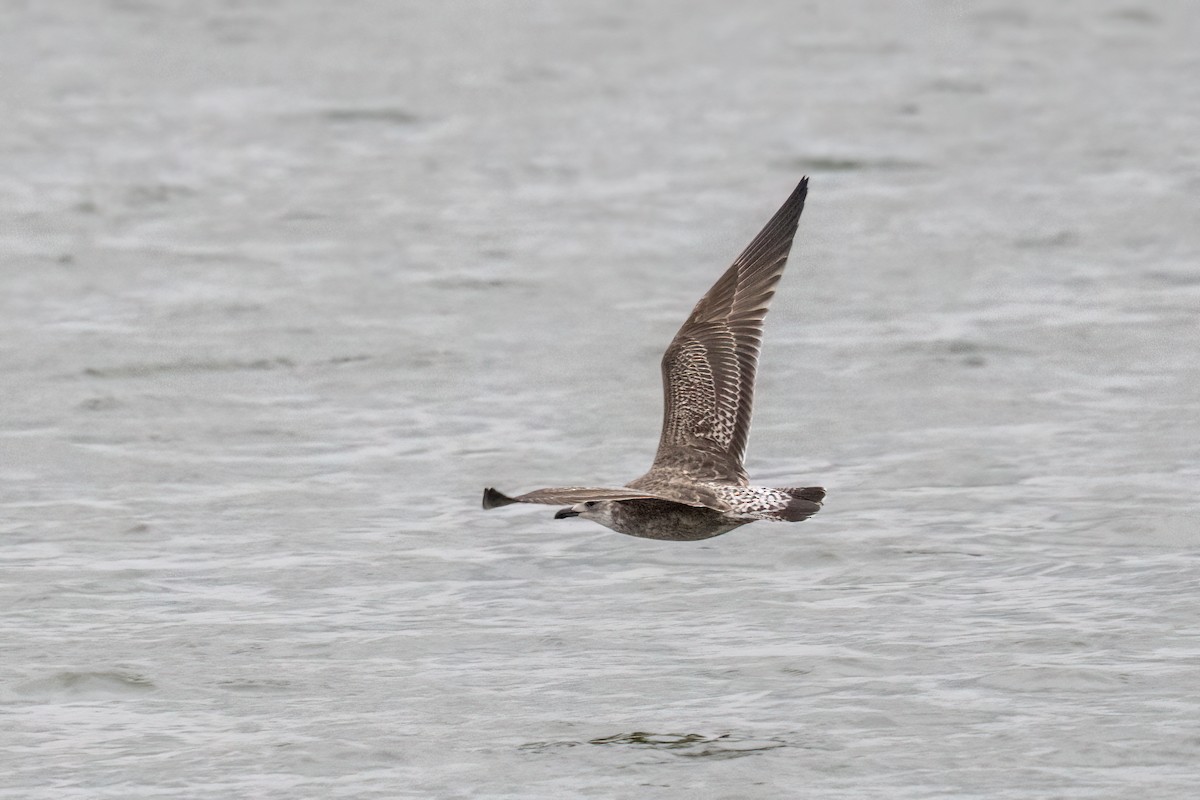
[697,487]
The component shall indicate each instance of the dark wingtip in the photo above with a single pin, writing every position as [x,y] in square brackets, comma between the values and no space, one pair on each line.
[773,242]
[798,194]
[494,499]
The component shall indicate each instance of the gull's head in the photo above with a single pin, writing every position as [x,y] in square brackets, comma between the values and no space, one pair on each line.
[595,510]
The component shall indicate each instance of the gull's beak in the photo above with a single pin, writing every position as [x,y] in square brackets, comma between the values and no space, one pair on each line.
[563,513]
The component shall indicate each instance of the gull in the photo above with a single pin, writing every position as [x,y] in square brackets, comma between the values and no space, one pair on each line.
[697,487]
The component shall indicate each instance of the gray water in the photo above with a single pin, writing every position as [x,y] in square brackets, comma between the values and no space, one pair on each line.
[285,285]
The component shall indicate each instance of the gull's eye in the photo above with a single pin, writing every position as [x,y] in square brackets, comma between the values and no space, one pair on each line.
[590,504]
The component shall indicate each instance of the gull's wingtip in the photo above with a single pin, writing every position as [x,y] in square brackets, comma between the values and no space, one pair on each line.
[790,211]
[494,499]
[801,190]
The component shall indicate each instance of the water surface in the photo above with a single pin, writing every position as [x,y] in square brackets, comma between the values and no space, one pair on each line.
[283,287]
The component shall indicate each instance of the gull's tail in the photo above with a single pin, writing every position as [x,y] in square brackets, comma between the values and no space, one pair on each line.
[801,504]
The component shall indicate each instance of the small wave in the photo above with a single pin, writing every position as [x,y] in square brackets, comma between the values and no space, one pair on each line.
[685,745]
[72,683]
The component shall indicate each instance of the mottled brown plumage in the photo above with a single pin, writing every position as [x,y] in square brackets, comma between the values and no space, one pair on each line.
[697,486]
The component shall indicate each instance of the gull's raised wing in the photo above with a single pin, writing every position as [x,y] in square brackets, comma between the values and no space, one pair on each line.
[708,370]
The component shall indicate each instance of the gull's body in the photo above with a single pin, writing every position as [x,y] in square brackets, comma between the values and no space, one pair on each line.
[697,487]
